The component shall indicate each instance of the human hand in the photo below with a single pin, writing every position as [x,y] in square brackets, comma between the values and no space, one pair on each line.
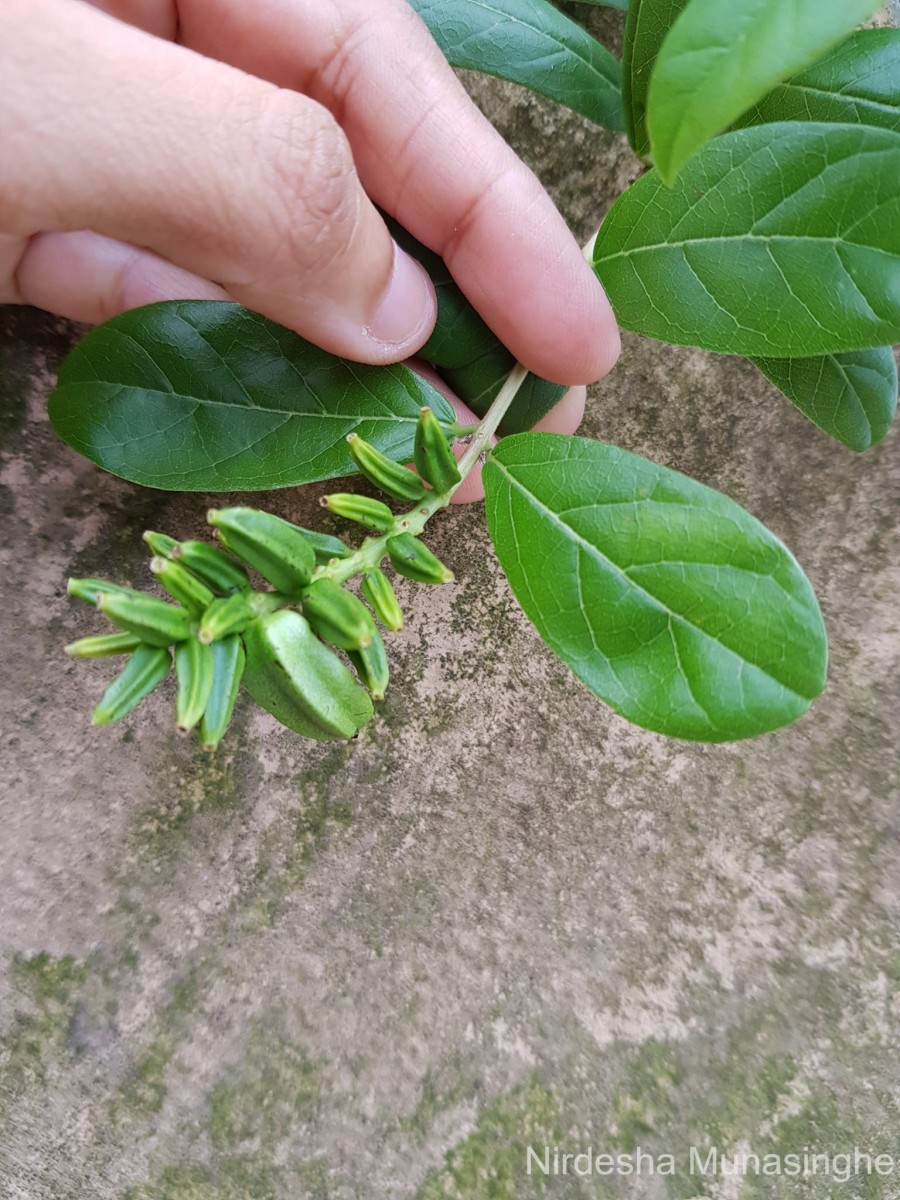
[237,152]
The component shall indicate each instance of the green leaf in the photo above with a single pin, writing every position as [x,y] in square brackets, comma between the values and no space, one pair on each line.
[779,241]
[196,395]
[479,382]
[672,604]
[857,84]
[532,43]
[852,397]
[720,58]
[607,3]
[646,26]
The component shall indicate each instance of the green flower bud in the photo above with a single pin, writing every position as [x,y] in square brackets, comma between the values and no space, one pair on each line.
[227,615]
[275,548]
[228,667]
[160,543]
[372,666]
[366,511]
[302,683]
[216,569]
[411,558]
[194,673]
[338,616]
[104,646]
[325,547]
[181,585]
[433,456]
[89,589]
[154,621]
[393,479]
[376,587]
[144,671]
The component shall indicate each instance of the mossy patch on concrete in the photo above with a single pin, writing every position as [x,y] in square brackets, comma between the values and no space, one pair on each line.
[269,1096]
[143,1090]
[490,1164]
[47,989]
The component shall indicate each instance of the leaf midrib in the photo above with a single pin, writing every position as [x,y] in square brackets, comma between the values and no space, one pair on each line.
[743,237]
[260,408]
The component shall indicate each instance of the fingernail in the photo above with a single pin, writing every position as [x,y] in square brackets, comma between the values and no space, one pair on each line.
[408,308]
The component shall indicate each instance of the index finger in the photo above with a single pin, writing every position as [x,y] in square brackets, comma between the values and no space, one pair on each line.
[426,154]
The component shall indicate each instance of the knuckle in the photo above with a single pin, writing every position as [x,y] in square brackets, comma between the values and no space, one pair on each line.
[310,179]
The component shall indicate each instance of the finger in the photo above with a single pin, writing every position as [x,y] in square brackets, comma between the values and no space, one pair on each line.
[426,154]
[567,415]
[159,17]
[229,177]
[90,278]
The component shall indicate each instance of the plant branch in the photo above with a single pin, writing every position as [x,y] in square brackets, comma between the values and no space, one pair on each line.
[488,426]
[373,549]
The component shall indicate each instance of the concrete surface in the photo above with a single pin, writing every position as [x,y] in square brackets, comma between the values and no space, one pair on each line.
[503,917]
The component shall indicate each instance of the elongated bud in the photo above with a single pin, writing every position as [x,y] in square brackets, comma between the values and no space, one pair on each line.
[363,509]
[159,543]
[372,666]
[216,569]
[338,616]
[228,667]
[275,548]
[376,587]
[227,615]
[144,671]
[325,547]
[302,683]
[411,558]
[90,589]
[104,646]
[393,479]
[433,456]
[154,621]
[194,673]
[181,585]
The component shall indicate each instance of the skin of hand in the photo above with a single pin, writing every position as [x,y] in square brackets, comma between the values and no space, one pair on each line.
[215,149]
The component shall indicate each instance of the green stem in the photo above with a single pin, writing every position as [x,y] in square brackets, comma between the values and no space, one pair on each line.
[373,549]
[488,426]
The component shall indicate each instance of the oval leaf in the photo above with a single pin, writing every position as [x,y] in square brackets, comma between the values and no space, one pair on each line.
[857,84]
[646,26]
[672,604]
[852,397]
[532,43]
[779,241]
[199,395]
[718,59]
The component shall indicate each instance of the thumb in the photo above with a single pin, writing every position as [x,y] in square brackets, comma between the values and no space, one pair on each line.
[237,181]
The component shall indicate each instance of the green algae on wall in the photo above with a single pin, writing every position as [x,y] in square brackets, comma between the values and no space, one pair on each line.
[40,1031]
[490,1163]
